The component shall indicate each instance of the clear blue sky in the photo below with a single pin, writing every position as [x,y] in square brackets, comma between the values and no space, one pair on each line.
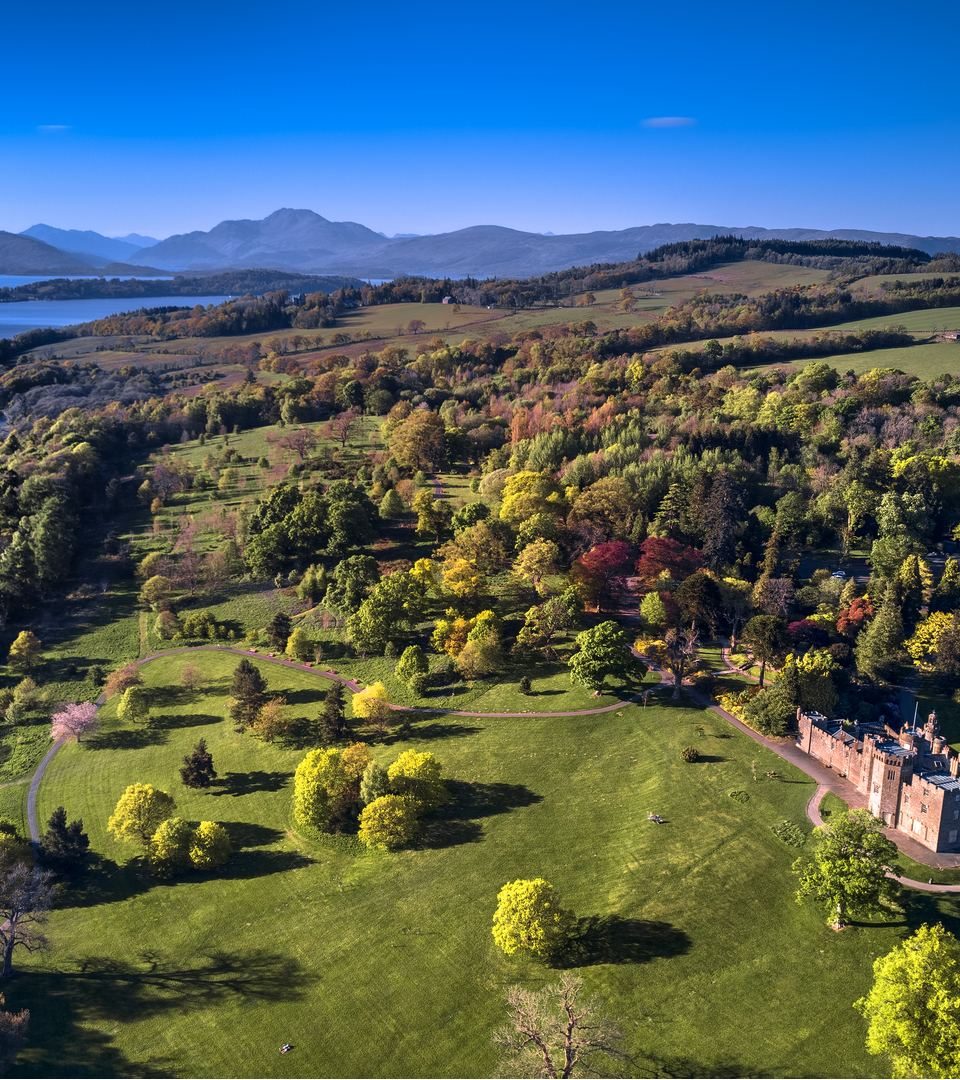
[425,116]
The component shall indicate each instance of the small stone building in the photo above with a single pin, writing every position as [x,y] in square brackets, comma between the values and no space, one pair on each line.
[910,777]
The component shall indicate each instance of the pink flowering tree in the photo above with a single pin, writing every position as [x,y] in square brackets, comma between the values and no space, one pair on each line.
[73,720]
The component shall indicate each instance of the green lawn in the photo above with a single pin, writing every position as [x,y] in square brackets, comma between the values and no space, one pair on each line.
[383,965]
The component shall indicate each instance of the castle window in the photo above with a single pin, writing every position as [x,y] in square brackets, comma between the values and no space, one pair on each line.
[890,774]
[923,808]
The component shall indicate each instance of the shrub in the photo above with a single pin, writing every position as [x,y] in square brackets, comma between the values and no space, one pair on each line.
[789,833]
[390,822]
[690,754]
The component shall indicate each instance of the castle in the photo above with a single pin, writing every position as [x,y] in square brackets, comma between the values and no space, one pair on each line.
[910,777]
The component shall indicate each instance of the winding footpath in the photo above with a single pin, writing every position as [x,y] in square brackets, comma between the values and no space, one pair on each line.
[826,781]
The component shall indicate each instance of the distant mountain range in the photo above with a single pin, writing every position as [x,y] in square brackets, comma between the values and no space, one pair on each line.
[91,246]
[305,242]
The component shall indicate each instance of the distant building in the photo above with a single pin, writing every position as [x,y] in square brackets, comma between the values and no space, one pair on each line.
[298,299]
[911,778]
[448,300]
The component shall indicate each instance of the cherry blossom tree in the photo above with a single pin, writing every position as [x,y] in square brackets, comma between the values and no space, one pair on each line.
[73,720]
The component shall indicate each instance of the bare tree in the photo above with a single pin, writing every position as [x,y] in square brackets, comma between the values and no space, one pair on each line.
[343,425]
[302,441]
[553,1034]
[680,655]
[26,893]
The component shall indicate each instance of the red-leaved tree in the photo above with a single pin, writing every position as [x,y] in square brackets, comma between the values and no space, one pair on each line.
[599,571]
[659,553]
[851,618]
[73,720]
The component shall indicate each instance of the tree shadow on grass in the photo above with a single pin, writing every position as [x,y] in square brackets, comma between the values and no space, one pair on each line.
[107,882]
[707,759]
[167,696]
[668,1068]
[105,991]
[246,834]
[453,823]
[172,721]
[304,697]
[126,739]
[610,939]
[433,729]
[248,783]
[473,800]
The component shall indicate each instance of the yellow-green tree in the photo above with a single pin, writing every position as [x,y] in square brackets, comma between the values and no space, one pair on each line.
[369,703]
[300,645]
[155,590]
[326,786]
[913,1007]
[138,814]
[210,846]
[925,642]
[390,822]
[24,651]
[418,774]
[529,918]
[170,847]
[134,706]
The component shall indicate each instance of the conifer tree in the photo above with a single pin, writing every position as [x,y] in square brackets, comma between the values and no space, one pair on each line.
[879,646]
[197,770]
[249,693]
[64,845]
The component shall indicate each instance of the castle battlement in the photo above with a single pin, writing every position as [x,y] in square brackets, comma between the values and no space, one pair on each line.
[911,778]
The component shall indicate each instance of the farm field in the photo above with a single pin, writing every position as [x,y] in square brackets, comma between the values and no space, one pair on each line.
[352,957]
[925,361]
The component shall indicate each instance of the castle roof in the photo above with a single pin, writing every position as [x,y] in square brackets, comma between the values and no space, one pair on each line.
[943,780]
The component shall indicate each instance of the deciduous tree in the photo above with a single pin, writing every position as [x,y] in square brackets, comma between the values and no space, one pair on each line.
[529,918]
[912,1010]
[139,813]
[24,651]
[847,873]
[602,651]
[390,822]
[73,721]
[554,1033]
[26,895]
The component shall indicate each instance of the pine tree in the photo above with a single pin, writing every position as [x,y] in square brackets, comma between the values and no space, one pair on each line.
[333,720]
[249,693]
[946,596]
[64,846]
[279,630]
[197,770]
[879,647]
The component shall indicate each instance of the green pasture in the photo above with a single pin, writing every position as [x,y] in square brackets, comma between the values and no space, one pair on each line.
[383,965]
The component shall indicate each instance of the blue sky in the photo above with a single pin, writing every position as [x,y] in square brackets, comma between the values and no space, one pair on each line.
[422,117]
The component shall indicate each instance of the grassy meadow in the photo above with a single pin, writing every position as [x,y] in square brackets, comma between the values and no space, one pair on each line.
[376,964]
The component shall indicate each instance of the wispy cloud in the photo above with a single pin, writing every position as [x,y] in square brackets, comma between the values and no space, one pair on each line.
[52,129]
[669,121]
